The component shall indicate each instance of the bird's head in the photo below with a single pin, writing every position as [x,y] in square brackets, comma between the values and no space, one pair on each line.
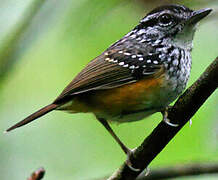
[173,23]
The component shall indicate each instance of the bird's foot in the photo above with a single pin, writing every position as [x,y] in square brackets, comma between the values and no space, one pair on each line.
[147,171]
[166,119]
[128,162]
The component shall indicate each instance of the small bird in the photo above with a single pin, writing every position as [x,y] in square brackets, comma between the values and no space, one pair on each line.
[140,74]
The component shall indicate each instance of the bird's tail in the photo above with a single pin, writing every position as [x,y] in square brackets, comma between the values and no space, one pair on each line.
[34,116]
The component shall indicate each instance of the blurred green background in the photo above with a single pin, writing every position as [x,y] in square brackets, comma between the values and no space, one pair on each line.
[43,45]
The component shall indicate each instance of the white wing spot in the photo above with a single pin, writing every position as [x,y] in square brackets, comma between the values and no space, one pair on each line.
[132,67]
[120,52]
[155,62]
[111,60]
[143,40]
[141,31]
[175,62]
[126,53]
[148,61]
[141,59]
[133,36]
[133,56]
[121,63]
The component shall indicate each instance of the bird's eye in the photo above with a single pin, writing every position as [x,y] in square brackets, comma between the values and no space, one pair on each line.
[165,19]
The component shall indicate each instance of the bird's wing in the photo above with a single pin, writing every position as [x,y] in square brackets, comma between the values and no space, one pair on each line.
[112,69]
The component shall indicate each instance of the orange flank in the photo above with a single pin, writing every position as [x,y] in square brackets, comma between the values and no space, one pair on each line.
[124,98]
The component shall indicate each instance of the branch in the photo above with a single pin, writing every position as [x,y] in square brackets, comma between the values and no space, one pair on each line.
[182,111]
[37,175]
[180,171]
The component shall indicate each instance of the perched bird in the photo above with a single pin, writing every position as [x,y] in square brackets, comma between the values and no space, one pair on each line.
[138,75]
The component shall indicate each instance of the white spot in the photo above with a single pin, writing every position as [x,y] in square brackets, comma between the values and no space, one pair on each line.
[157,41]
[106,54]
[175,62]
[138,39]
[121,63]
[139,55]
[148,61]
[169,59]
[126,53]
[171,69]
[136,67]
[120,52]
[141,31]
[133,36]
[155,62]
[144,66]
[132,67]
[111,60]
[128,34]
[126,65]
[141,59]
[115,61]
[123,40]
[161,56]
[133,56]
[143,40]
[107,59]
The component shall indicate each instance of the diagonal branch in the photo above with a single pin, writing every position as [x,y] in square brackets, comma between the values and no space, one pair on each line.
[182,111]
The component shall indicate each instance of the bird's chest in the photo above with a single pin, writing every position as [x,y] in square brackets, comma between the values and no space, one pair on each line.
[178,67]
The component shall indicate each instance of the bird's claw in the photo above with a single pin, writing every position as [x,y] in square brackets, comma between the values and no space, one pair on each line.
[128,162]
[147,171]
[166,120]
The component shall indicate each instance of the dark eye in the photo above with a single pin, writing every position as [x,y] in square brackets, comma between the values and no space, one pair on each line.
[165,19]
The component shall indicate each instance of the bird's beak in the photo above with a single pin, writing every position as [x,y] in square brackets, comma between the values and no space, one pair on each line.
[198,15]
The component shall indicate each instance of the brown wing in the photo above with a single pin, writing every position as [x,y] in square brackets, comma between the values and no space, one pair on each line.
[109,70]
[98,74]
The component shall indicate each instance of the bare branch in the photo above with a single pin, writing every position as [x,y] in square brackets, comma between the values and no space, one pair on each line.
[37,175]
[182,111]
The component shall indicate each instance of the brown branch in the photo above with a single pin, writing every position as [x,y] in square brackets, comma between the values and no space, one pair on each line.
[37,175]
[180,171]
[182,111]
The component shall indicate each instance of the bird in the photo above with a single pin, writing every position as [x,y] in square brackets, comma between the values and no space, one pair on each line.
[138,75]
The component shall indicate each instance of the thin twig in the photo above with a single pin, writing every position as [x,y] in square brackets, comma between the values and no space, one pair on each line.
[37,175]
[182,111]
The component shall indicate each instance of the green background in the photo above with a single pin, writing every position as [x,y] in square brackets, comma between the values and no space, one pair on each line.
[49,50]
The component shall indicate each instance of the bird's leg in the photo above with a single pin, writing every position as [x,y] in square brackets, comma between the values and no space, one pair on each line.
[126,150]
[165,117]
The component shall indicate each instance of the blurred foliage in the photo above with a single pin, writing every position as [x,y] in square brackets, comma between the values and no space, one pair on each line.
[50,47]
[9,45]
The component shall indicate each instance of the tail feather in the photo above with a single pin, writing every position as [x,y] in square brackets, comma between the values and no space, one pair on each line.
[34,116]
